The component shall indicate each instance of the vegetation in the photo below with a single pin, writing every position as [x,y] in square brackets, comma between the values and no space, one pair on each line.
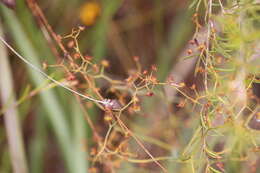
[130,86]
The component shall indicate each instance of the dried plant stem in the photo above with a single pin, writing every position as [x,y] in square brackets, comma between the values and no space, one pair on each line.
[208,44]
[178,72]
[36,10]
[88,119]
[139,143]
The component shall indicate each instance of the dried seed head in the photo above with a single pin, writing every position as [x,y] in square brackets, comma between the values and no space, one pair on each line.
[136,108]
[82,28]
[193,87]
[192,42]
[108,117]
[89,58]
[170,79]
[70,44]
[93,170]
[201,47]
[76,55]
[258,116]
[145,72]
[195,15]
[189,51]
[95,68]
[149,94]
[136,58]
[105,63]
[182,84]
[181,104]
[154,68]
[59,37]
[70,77]
[93,151]
[219,59]
[153,79]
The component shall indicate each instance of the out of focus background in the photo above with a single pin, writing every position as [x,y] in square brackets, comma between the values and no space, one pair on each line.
[189,126]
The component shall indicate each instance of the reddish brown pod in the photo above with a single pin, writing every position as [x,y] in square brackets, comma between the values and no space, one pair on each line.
[71,77]
[149,94]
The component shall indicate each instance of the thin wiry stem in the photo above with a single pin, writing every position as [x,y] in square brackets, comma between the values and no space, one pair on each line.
[47,76]
[140,143]
[207,44]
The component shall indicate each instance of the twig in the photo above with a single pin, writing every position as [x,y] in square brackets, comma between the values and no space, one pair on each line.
[140,143]
[36,10]
[207,60]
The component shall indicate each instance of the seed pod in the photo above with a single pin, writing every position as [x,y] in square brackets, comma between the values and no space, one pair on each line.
[149,94]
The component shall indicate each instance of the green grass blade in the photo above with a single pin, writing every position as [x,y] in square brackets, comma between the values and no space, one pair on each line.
[13,130]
